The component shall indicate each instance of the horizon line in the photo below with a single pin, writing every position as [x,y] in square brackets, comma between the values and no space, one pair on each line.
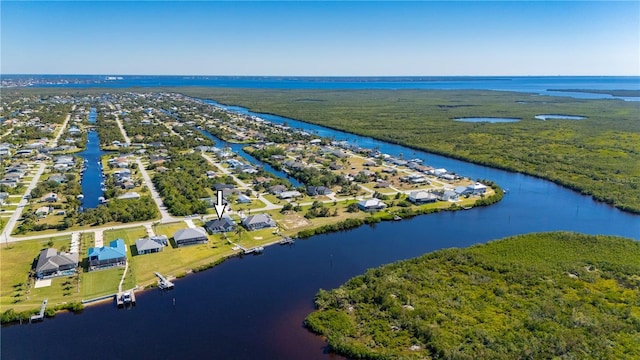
[313,76]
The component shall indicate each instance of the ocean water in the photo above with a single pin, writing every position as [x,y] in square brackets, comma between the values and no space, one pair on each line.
[530,84]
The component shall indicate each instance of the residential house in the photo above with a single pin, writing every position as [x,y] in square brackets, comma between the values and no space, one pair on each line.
[258,221]
[422,197]
[289,194]
[477,188]
[148,246]
[50,197]
[318,190]
[52,263]
[277,189]
[190,236]
[59,179]
[243,199]
[129,195]
[43,211]
[448,195]
[108,256]
[222,225]
[371,205]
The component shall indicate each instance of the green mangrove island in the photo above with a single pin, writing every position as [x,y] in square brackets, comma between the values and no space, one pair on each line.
[536,296]
[598,156]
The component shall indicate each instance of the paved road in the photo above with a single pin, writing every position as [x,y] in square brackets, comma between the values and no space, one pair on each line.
[124,133]
[54,142]
[16,214]
[165,216]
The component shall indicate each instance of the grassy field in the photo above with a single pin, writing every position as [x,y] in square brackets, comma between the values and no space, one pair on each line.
[539,296]
[599,156]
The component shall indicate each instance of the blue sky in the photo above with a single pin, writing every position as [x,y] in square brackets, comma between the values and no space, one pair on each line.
[321,38]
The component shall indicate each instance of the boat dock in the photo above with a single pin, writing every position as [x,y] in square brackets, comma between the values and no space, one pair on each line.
[40,315]
[126,298]
[286,240]
[163,283]
[254,250]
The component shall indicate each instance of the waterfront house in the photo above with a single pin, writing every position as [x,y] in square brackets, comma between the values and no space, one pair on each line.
[108,256]
[371,205]
[190,236]
[222,225]
[148,246]
[259,221]
[449,195]
[422,197]
[477,188]
[52,263]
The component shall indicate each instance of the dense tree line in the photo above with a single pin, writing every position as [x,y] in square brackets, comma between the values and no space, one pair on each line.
[549,295]
[185,184]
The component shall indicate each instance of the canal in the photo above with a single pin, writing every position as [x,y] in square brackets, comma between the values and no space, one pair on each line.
[92,176]
[254,307]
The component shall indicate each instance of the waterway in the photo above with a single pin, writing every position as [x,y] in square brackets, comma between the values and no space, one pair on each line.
[254,307]
[92,177]
[237,148]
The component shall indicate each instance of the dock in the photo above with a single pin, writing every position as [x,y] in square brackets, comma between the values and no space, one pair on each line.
[126,298]
[286,240]
[254,250]
[39,316]
[163,283]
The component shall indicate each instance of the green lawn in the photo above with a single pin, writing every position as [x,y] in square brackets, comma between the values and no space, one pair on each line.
[100,282]
[16,260]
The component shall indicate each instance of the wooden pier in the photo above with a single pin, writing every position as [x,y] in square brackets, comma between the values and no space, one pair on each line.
[286,240]
[163,283]
[40,315]
[126,298]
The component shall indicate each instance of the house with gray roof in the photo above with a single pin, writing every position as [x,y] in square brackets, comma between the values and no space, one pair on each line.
[221,225]
[52,263]
[422,197]
[190,236]
[259,221]
[371,204]
[148,246]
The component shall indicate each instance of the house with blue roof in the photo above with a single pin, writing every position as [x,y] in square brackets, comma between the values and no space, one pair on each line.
[108,256]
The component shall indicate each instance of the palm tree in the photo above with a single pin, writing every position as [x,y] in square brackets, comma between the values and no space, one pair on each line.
[240,232]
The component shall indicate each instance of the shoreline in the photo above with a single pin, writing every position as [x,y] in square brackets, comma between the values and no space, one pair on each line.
[353,223]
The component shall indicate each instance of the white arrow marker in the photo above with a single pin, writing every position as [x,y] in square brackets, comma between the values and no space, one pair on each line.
[219,205]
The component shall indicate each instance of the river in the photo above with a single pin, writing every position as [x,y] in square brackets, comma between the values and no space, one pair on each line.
[253,307]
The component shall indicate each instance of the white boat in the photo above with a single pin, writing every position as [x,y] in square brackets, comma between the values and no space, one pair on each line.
[80,197]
